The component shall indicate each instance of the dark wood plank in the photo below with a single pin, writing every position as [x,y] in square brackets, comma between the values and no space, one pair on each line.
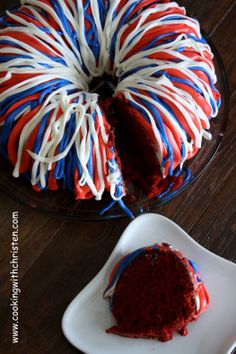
[224,39]
[7,4]
[64,268]
[209,13]
[36,231]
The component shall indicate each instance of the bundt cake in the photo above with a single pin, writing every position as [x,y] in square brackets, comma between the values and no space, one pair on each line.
[155,291]
[56,129]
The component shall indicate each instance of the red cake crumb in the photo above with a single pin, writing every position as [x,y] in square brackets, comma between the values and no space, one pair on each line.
[155,296]
[136,145]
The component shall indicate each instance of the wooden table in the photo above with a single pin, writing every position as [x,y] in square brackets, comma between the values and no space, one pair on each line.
[58,258]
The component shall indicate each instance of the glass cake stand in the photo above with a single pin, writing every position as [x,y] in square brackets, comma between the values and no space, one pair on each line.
[62,203]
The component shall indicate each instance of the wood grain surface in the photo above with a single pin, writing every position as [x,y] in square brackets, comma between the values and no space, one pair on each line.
[58,258]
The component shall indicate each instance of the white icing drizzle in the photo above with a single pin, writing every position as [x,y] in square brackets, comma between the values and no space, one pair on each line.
[197,302]
[78,65]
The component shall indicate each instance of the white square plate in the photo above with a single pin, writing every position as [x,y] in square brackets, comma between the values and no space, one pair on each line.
[88,316]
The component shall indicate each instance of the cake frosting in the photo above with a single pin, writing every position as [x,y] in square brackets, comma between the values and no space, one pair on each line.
[138,271]
[56,132]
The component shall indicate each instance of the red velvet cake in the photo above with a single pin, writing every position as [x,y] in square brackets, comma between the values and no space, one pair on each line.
[53,128]
[155,291]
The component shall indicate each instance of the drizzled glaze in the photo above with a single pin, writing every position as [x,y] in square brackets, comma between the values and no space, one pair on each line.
[52,128]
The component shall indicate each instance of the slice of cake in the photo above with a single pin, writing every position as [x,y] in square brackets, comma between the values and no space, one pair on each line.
[155,291]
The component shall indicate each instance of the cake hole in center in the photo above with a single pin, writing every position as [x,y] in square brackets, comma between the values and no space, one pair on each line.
[104,86]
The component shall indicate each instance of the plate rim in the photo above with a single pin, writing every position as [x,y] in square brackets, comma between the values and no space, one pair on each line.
[107,264]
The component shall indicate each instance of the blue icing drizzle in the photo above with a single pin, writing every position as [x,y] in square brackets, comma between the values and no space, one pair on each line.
[124,263]
[171,18]
[140,109]
[39,137]
[59,171]
[102,12]
[196,269]
[157,41]
[69,168]
[130,72]
[199,279]
[196,39]
[90,162]
[38,140]
[182,81]
[108,207]
[62,17]
[170,111]
[56,59]
[91,34]
[4,59]
[165,196]
[8,124]
[212,101]
[47,66]
[193,265]
[8,42]
[122,22]
[121,204]
[7,102]
[160,125]
[126,210]
[219,101]
[67,27]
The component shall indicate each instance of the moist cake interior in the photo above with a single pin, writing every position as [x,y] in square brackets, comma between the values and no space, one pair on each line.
[135,144]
